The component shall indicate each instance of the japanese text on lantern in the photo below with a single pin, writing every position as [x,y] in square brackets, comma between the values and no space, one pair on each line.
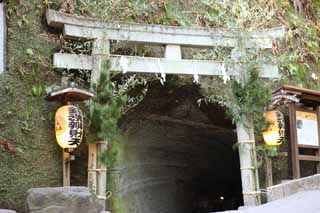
[75,125]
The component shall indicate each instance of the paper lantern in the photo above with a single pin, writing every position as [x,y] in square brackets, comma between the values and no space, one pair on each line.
[69,126]
[274,136]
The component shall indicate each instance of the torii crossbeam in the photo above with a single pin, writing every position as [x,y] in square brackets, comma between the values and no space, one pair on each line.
[173,38]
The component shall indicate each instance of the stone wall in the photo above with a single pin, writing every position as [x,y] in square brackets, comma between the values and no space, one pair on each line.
[63,200]
[2,37]
[30,156]
[293,186]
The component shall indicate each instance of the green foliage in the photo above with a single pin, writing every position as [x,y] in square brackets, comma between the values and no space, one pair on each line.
[30,52]
[112,101]
[23,21]
[251,96]
[76,47]
[114,155]
[154,12]
[244,96]
[47,3]
[173,15]
[11,7]
[113,9]
[264,151]
[25,121]
[37,91]
[114,98]
[299,54]
[239,13]
[50,88]
[247,98]
[108,106]
[118,204]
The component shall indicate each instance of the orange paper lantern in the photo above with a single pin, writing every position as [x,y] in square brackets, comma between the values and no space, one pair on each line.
[69,126]
[274,135]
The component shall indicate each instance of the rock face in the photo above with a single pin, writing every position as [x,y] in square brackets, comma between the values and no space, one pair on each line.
[177,157]
[62,200]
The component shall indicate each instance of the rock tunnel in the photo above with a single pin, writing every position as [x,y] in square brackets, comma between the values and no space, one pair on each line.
[178,157]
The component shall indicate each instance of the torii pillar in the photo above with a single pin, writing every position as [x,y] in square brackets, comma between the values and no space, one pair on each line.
[248,162]
[97,170]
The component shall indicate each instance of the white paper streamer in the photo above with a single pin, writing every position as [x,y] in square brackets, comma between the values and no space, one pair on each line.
[314,76]
[224,74]
[124,64]
[162,73]
[195,74]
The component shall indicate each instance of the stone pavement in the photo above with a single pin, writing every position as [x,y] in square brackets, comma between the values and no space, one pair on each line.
[301,202]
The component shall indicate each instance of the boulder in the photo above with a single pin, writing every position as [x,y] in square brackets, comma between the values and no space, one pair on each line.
[7,211]
[62,200]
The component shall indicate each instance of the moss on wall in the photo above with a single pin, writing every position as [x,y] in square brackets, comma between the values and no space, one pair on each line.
[26,118]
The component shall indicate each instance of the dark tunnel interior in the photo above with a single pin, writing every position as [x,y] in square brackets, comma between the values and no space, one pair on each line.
[179,157]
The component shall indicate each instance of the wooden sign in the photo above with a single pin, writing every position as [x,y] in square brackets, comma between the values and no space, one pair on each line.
[307,128]
[304,114]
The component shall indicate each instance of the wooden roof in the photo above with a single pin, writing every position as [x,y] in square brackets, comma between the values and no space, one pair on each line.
[302,93]
[70,94]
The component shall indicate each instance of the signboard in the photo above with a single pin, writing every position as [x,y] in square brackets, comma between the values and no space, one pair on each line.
[307,128]
[2,30]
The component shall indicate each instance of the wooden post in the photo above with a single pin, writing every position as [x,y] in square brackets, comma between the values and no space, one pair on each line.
[92,166]
[293,141]
[318,151]
[102,146]
[248,163]
[65,168]
[97,177]
[269,176]
[173,52]
[65,152]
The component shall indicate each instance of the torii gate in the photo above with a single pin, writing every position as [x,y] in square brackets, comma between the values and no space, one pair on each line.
[76,27]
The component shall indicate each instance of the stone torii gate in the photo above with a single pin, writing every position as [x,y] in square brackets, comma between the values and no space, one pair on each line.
[173,38]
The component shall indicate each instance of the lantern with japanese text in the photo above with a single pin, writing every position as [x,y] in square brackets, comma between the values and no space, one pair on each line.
[69,123]
[274,135]
[69,126]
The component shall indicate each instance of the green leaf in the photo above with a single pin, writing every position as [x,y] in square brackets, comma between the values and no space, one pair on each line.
[30,52]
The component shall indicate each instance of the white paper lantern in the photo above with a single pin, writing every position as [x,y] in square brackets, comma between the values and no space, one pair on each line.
[69,126]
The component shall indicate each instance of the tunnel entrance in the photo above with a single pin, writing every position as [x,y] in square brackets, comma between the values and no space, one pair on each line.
[179,157]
